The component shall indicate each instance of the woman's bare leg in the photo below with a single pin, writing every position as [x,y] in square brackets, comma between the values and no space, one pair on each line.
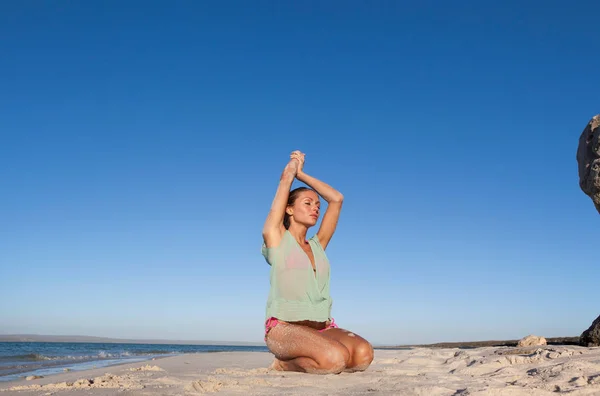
[361,351]
[301,348]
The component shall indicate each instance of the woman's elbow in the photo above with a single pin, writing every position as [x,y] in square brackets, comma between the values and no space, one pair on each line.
[338,198]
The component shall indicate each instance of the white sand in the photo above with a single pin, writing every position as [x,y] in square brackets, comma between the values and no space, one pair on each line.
[547,370]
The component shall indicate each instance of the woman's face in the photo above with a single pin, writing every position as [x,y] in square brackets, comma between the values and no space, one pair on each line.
[306,208]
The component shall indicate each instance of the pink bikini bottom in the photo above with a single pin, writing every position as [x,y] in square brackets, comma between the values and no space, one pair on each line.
[272,322]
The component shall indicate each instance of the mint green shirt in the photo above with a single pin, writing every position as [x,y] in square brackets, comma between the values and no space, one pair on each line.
[297,293]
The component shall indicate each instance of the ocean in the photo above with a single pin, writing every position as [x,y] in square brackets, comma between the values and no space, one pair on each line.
[21,359]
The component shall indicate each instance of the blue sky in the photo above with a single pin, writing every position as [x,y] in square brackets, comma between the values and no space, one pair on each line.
[142,144]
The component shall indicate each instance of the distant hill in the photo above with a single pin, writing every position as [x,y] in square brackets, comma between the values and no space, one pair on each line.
[478,344]
[91,339]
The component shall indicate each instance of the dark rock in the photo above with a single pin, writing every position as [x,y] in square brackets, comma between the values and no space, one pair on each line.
[461,392]
[588,161]
[591,337]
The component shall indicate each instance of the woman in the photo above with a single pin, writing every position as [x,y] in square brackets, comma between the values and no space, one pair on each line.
[299,330]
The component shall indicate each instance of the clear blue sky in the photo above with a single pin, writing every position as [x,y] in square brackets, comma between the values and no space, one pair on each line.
[142,144]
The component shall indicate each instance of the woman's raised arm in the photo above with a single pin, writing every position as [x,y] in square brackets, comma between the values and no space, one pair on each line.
[273,228]
[334,200]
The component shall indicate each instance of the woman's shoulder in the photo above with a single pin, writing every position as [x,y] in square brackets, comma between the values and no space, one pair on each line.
[278,253]
[283,244]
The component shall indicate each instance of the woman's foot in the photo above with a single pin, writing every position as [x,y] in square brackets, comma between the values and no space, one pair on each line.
[276,365]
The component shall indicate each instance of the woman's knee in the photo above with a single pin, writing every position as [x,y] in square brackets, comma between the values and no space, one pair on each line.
[334,359]
[363,356]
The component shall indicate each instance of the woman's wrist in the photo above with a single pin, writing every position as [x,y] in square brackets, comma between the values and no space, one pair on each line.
[300,176]
[287,176]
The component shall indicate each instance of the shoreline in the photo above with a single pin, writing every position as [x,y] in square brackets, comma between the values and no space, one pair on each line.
[48,361]
[122,375]
[82,367]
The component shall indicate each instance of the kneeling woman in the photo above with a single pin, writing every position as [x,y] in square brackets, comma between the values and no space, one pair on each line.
[299,330]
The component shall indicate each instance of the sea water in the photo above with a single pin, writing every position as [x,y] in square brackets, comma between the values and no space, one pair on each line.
[20,359]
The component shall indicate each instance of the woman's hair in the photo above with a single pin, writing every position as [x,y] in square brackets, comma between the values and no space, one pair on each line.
[291,199]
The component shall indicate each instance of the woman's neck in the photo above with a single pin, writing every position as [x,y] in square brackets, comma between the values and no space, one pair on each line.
[299,233]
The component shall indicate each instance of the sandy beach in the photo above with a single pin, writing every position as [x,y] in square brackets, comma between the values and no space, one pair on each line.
[540,370]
